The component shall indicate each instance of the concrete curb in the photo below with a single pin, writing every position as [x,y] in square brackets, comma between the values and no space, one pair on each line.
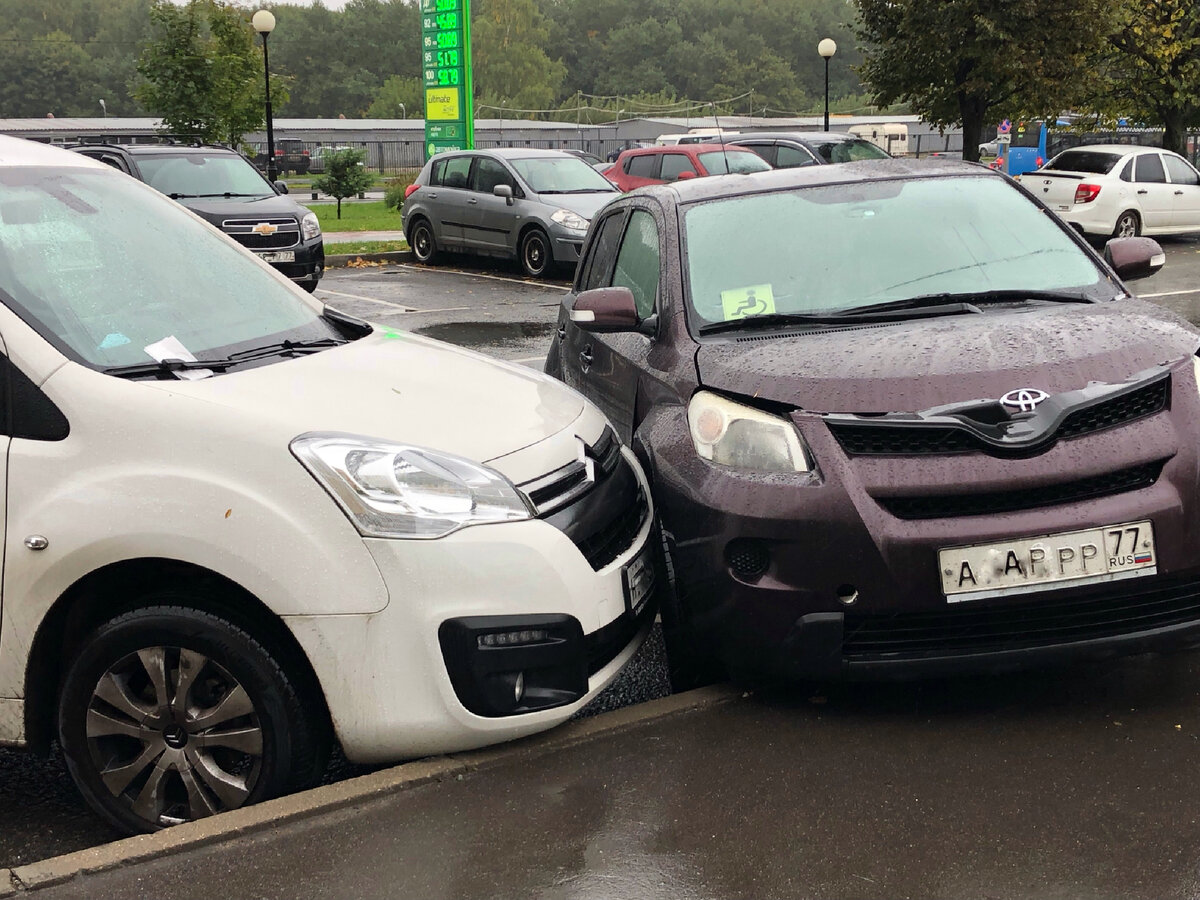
[332,797]
[340,260]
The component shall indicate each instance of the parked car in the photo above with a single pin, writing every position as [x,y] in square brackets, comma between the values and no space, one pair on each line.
[530,205]
[222,187]
[662,165]
[898,421]
[1120,190]
[291,155]
[590,158]
[792,149]
[242,525]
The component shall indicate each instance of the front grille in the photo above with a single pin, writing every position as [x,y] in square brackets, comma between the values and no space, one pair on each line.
[568,483]
[242,231]
[955,505]
[603,546]
[1123,608]
[913,439]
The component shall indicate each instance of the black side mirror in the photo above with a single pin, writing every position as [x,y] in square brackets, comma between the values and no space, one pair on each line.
[605,310]
[280,187]
[1134,257]
[505,191]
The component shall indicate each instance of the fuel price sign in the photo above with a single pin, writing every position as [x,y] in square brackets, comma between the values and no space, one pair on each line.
[446,69]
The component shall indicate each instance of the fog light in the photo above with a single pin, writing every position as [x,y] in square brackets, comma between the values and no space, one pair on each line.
[748,559]
[847,594]
[513,638]
[519,688]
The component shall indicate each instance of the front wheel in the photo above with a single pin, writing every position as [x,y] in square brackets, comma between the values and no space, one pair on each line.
[535,253]
[1129,224]
[420,238]
[170,714]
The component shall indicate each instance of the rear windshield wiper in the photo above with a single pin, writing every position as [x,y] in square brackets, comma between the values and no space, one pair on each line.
[166,366]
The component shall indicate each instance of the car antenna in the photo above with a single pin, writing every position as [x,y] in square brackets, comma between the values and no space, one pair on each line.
[720,136]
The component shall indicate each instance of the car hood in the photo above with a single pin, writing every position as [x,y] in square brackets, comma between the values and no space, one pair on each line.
[587,205]
[913,366]
[394,385]
[218,209]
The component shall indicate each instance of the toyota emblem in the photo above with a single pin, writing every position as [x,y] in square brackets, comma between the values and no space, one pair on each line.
[1024,399]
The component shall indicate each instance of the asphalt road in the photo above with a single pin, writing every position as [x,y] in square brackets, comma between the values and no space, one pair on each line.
[490,308]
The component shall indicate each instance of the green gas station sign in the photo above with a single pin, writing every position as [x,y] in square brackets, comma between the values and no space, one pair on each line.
[446,69]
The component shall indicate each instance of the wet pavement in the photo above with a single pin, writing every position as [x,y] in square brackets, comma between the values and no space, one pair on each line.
[1069,783]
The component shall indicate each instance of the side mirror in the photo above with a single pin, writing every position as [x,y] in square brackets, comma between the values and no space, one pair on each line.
[505,191]
[280,187]
[1134,257]
[605,310]
[684,176]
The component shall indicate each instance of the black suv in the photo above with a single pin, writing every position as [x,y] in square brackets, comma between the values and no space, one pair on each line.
[221,186]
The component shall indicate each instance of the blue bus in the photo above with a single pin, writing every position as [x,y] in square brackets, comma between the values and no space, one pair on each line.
[1027,151]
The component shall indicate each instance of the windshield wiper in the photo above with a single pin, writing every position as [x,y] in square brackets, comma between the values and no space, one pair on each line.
[764,321]
[226,194]
[137,370]
[181,196]
[965,298]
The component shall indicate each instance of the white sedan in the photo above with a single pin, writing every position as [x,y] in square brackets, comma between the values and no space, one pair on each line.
[1120,190]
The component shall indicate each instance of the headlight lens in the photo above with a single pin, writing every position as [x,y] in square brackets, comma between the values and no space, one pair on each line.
[400,491]
[1196,369]
[742,437]
[310,227]
[568,219]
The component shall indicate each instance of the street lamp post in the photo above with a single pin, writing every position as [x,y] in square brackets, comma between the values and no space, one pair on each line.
[104,108]
[827,48]
[264,23]
[403,111]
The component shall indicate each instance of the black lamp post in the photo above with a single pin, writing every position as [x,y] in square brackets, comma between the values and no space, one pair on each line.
[826,48]
[264,23]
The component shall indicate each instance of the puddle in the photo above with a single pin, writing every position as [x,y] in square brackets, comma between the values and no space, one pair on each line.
[487,334]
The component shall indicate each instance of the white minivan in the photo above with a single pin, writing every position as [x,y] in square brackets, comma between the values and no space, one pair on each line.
[239,525]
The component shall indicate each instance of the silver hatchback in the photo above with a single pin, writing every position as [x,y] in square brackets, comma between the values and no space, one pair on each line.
[530,205]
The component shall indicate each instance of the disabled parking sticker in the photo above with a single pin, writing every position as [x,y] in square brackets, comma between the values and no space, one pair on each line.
[755,300]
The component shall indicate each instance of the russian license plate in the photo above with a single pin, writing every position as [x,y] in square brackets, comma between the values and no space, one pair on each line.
[278,256]
[1024,565]
[639,580]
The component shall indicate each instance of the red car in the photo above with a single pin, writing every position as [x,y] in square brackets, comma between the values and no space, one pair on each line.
[660,165]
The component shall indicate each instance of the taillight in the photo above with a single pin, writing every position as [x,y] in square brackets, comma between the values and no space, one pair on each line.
[1086,193]
[1039,161]
[409,190]
[305,152]
[279,153]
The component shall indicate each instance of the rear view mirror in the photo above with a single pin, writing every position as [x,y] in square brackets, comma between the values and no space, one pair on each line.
[1134,257]
[505,191]
[280,187]
[605,310]
[684,176]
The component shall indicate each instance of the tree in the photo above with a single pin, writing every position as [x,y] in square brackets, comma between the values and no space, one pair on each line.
[202,71]
[1153,67]
[345,175]
[957,61]
[508,39]
[398,93]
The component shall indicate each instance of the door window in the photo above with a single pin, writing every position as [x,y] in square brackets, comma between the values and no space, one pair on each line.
[674,165]
[1180,171]
[1149,169]
[644,166]
[489,173]
[1127,172]
[792,157]
[604,247]
[456,172]
[638,262]
[435,173]
[766,151]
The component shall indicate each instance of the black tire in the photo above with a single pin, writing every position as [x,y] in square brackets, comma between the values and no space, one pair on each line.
[535,254]
[1129,224]
[422,241]
[254,738]
[688,665]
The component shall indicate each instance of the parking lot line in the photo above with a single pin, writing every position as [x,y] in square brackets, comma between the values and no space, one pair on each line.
[1168,294]
[535,284]
[397,306]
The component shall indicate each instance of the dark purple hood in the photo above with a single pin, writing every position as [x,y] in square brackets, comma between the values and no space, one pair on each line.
[912,366]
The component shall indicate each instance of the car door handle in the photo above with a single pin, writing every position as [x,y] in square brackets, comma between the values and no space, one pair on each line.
[432,196]
[562,332]
[1179,193]
[472,200]
[585,357]
[1143,191]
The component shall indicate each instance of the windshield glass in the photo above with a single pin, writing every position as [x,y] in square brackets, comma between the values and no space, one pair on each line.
[719,162]
[103,267]
[560,175]
[1091,161]
[824,249]
[199,175]
[849,151]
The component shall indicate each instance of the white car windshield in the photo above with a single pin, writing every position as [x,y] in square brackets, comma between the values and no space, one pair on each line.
[103,267]
[824,249]
[203,175]
[561,175]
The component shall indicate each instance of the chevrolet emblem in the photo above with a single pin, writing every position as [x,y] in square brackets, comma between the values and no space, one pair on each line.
[265,228]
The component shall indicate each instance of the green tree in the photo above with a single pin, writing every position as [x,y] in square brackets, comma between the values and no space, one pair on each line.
[959,61]
[345,175]
[1152,67]
[201,72]
[395,91]
[508,40]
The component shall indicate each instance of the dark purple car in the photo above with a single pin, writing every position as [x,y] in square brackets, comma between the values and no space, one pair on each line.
[898,418]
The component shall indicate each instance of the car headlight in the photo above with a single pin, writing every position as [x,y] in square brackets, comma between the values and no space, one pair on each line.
[394,490]
[742,437]
[568,219]
[310,227]
[1196,369]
